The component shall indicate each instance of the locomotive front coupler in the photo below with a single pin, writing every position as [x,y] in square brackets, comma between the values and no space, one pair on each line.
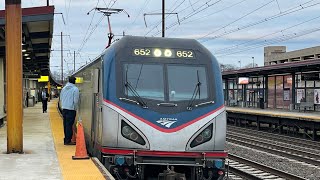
[170,174]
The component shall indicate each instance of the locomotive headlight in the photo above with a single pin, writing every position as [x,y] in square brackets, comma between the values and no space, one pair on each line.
[157,52]
[206,133]
[203,137]
[199,139]
[167,53]
[126,130]
[129,133]
[134,136]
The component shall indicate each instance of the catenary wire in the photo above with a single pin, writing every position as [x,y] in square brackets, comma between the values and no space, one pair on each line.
[202,17]
[251,12]
[273,41]
[198,10]
[84,38]
[248,42]
[145,4]
[155,27]
[289,11]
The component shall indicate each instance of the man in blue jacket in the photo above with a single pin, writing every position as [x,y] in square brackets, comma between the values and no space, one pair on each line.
[44,99]
[69,98]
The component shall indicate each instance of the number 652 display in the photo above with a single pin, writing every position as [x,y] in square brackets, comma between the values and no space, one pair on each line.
[163,53]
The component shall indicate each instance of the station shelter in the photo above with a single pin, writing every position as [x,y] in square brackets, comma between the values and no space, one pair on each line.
[281,86]
[37,33]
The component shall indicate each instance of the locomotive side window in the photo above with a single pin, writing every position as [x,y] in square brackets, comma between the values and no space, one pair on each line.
[186,81]
[146,80]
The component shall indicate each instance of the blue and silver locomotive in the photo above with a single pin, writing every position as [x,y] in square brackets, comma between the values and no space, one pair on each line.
[154,106]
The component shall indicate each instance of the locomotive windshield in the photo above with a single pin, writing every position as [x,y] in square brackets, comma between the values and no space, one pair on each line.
[183,82]
[146,80]
[166,82]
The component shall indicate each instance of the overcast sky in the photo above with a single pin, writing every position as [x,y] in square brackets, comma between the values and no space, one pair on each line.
[233,30]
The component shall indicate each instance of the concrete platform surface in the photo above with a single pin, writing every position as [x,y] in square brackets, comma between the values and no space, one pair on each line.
[308,116]
[39,160]
[72,169]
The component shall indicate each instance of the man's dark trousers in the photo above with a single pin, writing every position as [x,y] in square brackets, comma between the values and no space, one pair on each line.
[44,105]
[68,120]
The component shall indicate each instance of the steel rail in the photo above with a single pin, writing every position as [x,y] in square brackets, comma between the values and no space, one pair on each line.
[272,141]
[271,148]
[269,142]
[242,174]
[258,166]
[285,139]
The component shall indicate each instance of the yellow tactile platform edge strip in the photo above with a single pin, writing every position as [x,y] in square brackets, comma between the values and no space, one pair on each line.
[70,169]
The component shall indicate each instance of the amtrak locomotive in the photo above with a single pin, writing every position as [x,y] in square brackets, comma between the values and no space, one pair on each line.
[153,108]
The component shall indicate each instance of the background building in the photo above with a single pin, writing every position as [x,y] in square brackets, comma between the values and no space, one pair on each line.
[277,55]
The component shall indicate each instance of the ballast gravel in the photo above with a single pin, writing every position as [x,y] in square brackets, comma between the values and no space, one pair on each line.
[295,167]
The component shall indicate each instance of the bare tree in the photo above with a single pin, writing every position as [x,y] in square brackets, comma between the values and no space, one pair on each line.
[250,65]
[228,67]
[56,75]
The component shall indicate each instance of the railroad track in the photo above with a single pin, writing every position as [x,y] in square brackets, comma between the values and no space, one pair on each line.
[280,138]
[248,169]
[270,147]
[232,176]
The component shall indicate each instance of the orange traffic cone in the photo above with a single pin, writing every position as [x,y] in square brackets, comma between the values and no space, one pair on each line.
[81,150]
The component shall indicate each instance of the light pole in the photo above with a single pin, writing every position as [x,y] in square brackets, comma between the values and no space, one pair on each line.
[222,67]
[253,62]
[239,64]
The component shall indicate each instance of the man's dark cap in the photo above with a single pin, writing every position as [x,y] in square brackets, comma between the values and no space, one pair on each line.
[72,80]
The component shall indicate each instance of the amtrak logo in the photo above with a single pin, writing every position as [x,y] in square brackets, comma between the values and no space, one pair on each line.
[167,122]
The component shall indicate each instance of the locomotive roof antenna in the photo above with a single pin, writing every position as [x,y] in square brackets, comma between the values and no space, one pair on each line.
[107,12]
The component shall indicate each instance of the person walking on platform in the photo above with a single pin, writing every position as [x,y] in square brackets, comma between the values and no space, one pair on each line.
[44,99]
[27,99]
[69,98]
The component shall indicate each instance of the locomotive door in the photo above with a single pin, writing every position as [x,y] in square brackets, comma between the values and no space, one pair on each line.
[96,119]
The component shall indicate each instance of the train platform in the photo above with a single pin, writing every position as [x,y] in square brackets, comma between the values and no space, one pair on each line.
[305,124]
[45,156]
[309,116]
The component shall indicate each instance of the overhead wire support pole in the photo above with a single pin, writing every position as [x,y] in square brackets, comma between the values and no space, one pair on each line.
[61,37]
[163,18]
[13,29]
[74,61]
[107,12]
[61,59]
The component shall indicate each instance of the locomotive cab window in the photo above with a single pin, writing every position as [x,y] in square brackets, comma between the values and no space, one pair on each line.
[144,80]
[186,82]
[165,82]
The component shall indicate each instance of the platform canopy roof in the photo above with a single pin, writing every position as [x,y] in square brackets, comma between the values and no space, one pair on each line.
[37,29]
[284,68]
